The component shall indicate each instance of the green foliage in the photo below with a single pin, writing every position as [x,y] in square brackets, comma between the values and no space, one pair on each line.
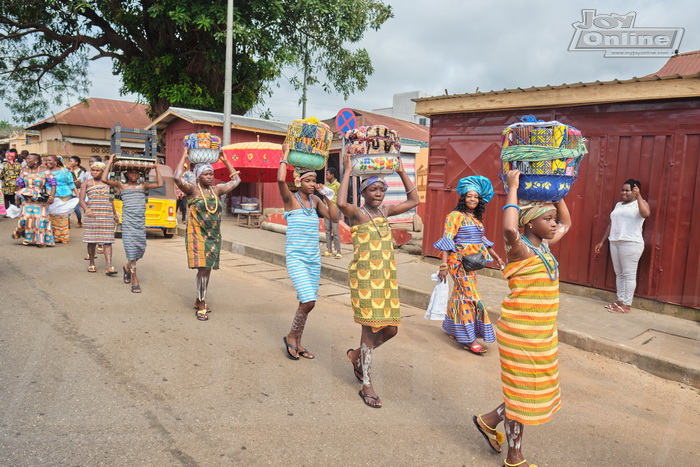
[172,52]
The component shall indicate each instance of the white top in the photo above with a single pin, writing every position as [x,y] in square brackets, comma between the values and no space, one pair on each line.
[626,223]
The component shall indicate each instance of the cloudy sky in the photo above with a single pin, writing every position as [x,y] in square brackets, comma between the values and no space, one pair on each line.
[459,46]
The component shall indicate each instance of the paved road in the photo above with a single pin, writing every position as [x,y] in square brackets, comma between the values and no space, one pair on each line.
[95,375]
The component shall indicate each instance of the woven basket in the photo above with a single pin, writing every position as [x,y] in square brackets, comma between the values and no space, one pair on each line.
[202,155]
[310,136]
[547,153]
[374,164]
[140,163]
[375,139]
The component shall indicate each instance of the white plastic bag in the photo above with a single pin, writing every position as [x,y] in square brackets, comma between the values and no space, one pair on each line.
[437,308]
[61,208]
[13,211]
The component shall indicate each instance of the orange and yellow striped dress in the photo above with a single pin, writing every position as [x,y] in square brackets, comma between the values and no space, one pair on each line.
[527,342]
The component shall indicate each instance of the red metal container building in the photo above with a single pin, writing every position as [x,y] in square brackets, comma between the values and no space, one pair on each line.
[644,128]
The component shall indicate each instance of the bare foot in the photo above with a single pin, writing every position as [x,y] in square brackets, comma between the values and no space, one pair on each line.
[354,357]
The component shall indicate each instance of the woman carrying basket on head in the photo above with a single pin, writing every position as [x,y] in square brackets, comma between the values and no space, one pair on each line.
[466,318]
[374,293]
[203,238]
[133,195]
[527,329]
[301,249]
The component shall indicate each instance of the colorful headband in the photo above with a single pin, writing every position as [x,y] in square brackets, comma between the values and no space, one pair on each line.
[373,179]
[201,169]
[531,210]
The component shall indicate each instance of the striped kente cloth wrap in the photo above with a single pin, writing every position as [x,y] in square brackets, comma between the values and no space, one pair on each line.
[134,222]
[203,239]
[303,253]
[98,229]
[374,290]
[527,342]
[466,317]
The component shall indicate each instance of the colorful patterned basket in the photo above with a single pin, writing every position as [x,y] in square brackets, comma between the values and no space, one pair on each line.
[374,164]
[202,147]
[374,150]
[547,153]
[309,143]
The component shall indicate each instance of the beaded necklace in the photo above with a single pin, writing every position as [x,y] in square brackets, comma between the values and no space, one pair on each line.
[552,270]
[216,199]
[307,211]
[373,223]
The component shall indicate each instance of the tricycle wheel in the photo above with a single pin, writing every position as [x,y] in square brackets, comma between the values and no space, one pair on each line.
[166,234]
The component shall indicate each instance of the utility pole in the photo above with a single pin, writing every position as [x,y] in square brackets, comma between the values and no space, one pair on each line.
[228,77]
[305,78]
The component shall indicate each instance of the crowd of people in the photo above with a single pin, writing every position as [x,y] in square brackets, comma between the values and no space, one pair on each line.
[525,333]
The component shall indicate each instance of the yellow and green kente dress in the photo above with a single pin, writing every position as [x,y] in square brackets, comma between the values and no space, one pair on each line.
[374,290]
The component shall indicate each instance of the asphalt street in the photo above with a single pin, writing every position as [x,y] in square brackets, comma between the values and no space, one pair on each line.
[95,375]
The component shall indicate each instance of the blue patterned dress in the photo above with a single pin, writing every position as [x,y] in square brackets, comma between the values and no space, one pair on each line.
[134,222]
[303,253]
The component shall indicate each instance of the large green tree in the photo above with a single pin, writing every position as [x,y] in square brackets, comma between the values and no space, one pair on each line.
[172,52]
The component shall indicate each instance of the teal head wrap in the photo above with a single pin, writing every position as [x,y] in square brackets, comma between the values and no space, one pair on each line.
[477,183]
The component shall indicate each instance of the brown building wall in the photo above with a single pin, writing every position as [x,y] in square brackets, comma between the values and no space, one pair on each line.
[656,142]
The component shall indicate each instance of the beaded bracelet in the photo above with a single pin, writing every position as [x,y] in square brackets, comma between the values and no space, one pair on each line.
[511,206]
[284,162]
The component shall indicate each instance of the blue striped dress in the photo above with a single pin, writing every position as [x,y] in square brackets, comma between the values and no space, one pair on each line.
[134,222]
[466,317]
[303,253]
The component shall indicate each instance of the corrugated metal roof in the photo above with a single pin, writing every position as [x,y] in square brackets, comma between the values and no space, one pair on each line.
[561,86]
[682,64]
[217,118]
[99,113]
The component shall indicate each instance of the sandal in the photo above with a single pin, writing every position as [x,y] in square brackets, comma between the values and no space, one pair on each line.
[377,403]
[205,307]
[201,315]
[290,346]
[497,437]
[506,464]
[135,289]
[111,271]
[476,348]
[615,308]
[92,268]
[358,373]
[306,354]
[127,276]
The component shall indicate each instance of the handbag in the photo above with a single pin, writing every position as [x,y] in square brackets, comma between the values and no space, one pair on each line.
[473,262]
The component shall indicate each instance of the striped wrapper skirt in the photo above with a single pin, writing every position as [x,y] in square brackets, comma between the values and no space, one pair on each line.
[528,343]
[134,222]
[303,253]
[99,229]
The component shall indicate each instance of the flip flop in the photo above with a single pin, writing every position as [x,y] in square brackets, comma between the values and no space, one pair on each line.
[290,346]
[201,316]
[476,349]
[92,269]
[306,354]
[358,373]
[127,276]
[111,271]
[364,398]
[135,289]
[498,437]
[617,309]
